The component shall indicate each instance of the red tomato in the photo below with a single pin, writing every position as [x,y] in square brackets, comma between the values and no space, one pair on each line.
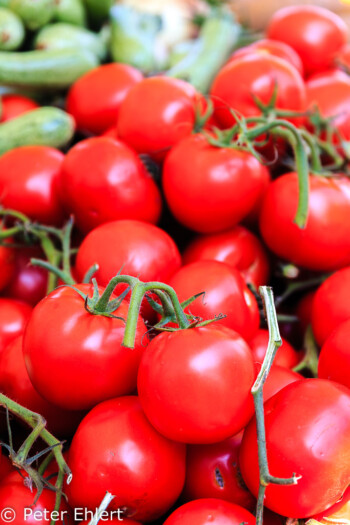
[194,385]
[238,247]
[156,114]
[205,511]
[14,316]
[272,47]
[318,89]
[138,248]
[303,311]
[7,266]
[29,178]
[338,513]
[94,99]
[342,59]
[225,293]
[334,360]
[15,105]
[278,378]
[130,459]
[286,355]
[104,180]
[307,433]
[315,33]
[324,244]
[17,503]
[256,75]
[89,348]
[212,472]
[211,189]
[112,133]
[15,383]
[331,305]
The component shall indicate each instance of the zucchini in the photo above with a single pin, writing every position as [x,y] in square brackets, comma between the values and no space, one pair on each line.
[57,68]
[45,126]
[70,12]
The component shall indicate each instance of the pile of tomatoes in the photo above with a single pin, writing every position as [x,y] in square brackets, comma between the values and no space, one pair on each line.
[150,390]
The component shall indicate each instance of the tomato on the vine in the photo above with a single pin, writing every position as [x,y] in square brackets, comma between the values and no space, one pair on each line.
[334,359]
[194,385]
[286,355]
[210,510]
[14,316]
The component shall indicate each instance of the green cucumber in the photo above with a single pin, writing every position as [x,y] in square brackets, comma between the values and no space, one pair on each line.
[63,36]
[12,30]
[34,14]
[70,12]
[57,68]
[45,126]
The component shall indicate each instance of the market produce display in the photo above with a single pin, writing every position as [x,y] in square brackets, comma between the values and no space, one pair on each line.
[174,264]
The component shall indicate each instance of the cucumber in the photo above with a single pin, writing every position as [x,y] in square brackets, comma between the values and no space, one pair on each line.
[45,126]
[61,36]
[57,68]
[34,13]
[70,12]
[12,30]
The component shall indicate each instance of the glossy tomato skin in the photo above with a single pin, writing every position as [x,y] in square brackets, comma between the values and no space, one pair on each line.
[315,33]
[210,510]
[225,293]
[331,305]
[143,469]
[14,316]
[307,430]
[29,178]
[272,47]
[286,355]
[211,189]
[238,247]
[256,75]
[212,472]
[28,283]
[80,350]
[194,385]
[17,497]
[15,383]
[138,248]
[324,244]
[278,378]
[334,359]
[104,180]
[15,105]
[336,106]
[94,99]
[156,114]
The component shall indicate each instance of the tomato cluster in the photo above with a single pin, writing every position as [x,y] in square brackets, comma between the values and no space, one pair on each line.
[142,346]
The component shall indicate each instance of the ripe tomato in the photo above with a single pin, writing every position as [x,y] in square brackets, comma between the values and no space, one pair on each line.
[7,266]
[336,106]
[272,47]
[334,360]
[256,75]
[104,180]
[194,385]
[94,99]
[225,293]
[138,248]
[307,433]
[212,472]
[29,178]
[238,247]
[14,316]
[15,383]
[315,33]
[278,378]
[156,114]
[28,283]
[324,244]
[15,105]
[211,189]
[17,503]
[204,511]
[286,355]
[130,459]
[331,305]
[338,513]
[89,348]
